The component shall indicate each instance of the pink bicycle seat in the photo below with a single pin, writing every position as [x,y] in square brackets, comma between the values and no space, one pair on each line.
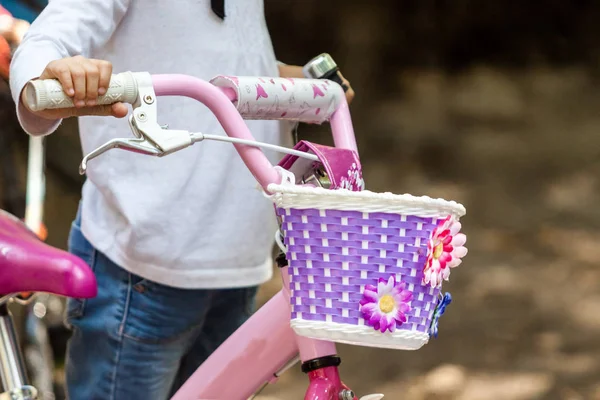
[29,265]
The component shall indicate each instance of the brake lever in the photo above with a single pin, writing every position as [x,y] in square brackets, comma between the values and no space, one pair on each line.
[150,137]
[141,146]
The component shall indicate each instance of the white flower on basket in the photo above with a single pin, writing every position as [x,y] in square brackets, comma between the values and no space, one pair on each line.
[385,307]
[354,181]
[444,251]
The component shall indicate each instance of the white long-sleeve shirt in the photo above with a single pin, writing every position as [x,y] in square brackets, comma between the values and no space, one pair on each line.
[193,219]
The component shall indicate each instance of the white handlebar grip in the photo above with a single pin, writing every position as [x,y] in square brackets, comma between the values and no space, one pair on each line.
[44,94]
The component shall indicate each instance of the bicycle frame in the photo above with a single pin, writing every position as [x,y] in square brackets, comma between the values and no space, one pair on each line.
[255,353]
[266,343]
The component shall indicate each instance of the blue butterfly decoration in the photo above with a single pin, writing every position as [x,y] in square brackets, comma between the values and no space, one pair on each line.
[440,309]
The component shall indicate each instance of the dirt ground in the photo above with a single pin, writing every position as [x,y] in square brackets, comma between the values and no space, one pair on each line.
[520,151]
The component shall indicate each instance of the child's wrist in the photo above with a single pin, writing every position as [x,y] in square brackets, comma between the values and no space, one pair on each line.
[290,71]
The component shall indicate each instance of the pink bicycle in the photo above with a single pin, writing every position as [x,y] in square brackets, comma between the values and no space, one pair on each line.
[357,267]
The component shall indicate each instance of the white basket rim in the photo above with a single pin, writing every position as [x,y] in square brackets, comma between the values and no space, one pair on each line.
[306,197]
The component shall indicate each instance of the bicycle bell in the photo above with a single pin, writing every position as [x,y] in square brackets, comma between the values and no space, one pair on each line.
[324,67]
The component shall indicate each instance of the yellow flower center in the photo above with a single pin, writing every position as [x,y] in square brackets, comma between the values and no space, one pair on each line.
[438,250]
[387,304]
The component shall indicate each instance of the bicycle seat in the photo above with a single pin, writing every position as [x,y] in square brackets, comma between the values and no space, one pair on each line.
[29,265]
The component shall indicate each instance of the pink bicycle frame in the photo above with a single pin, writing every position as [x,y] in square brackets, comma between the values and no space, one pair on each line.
[254,354]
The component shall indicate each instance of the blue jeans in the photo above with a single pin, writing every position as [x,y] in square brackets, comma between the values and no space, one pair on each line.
[140,340]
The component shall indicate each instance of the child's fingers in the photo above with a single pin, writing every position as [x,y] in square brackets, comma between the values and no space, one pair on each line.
[92,76]
[60,71]
[119,110]
[349,92]
[105,69]
[78,76]
[83,80]
[103,110]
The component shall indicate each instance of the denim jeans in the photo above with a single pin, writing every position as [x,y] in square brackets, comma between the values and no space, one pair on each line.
[140,340]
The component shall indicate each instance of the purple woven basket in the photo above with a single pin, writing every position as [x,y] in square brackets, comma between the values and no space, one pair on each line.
[342,244]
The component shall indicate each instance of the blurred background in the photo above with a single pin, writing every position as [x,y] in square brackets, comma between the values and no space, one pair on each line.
[492,104]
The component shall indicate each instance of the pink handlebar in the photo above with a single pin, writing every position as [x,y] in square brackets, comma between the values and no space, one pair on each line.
[219,101]
[227,115]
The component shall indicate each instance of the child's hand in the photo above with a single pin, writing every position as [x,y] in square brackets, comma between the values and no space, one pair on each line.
[82,79]
[350,91]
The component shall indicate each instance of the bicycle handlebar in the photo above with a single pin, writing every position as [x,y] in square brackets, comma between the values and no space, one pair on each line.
[306,100]
[127,87]
[227,115]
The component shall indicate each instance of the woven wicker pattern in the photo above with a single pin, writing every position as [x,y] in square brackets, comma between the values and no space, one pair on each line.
[333,254]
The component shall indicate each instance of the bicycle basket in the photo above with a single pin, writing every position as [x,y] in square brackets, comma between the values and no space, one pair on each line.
[366,268]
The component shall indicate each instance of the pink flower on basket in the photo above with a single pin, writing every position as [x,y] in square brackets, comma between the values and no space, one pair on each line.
[444,251]
[384,307]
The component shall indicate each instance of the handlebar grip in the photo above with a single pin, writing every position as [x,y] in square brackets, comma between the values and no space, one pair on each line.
[45,94]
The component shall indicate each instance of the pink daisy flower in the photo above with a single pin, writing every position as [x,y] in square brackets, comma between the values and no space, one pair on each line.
[444,251]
